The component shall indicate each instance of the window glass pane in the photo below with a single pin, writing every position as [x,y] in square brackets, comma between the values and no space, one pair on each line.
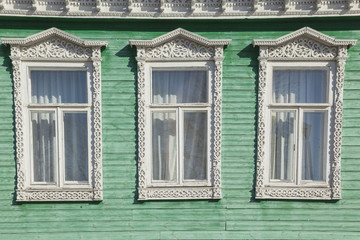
[300,86]
[179,87]
[313,146]
[58,87]
[195,145]
[76,146]
[164,145]
[44,146]
[282,146]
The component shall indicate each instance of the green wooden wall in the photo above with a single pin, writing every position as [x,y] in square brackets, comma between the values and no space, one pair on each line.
[237,215]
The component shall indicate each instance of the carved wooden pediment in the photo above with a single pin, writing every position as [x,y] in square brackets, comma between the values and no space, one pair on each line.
[53,43]
[55,47]
[305,43]
[179,44]
[303,47]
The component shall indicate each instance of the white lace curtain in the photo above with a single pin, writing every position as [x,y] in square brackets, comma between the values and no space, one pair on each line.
[171,87]
[49,87]
[298,86]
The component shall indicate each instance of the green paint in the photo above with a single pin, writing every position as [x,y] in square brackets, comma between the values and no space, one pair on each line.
[237,215]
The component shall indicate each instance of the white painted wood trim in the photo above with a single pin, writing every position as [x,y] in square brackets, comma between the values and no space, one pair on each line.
[63,51]
[183,49]
[328,51]
[180,9]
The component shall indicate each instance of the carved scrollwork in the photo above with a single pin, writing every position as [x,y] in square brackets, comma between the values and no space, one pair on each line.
[260,169]
[298,46]
[57,196]
[293,193]
[191,9]
[97,129]
[19,122]
[180,193]
[217,124]
[175,47]
[52,45]
[336,163]
[56,48]
[141,128]
[180,48]
[303,48]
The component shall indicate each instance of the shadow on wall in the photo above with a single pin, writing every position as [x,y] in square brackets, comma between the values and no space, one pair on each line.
[5,54]
[130,53]
[249,52]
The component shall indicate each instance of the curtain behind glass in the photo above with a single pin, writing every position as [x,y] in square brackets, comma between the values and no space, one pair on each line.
[58,87]
[48,87]
[179,87]
[282,146]
[313,152]
[299,86]
[44,146]
[195,145]
[164,149]
[76,146]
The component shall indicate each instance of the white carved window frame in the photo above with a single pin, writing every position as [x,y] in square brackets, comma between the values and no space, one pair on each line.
[56,49]
[179,48]
[303,48]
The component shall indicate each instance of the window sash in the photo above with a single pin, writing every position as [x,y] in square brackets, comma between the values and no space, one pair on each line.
[60,181]
[295,66]
[180,108]
[327,107]
[294,86]
[37,144]
[60,109]
[283,164]
[49,67]
[192,87]
[180,181]
[298,145]
[61,86]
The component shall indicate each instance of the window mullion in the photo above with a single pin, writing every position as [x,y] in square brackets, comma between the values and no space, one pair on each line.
[180,144]
[60,144]
[208,153]
[298,142]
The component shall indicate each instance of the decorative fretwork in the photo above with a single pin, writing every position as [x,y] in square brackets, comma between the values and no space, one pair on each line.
[261,124]
[56,196]
[180,193]
[54,45]
[180,48]
[180,45]
[56,48]
[293,193]
[180,8]
[302,46]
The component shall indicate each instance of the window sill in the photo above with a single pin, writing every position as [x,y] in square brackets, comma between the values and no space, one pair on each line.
[177,193]
[301,192]
[59,195]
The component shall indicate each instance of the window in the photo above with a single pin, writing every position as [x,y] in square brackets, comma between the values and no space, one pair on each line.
[299,108]
[180,111]
[179,119]
[299,118]
[58,117]
[58,114]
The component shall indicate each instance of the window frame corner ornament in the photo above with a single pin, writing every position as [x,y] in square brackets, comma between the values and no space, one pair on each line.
[308,45]
[60,47]
[180,46]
